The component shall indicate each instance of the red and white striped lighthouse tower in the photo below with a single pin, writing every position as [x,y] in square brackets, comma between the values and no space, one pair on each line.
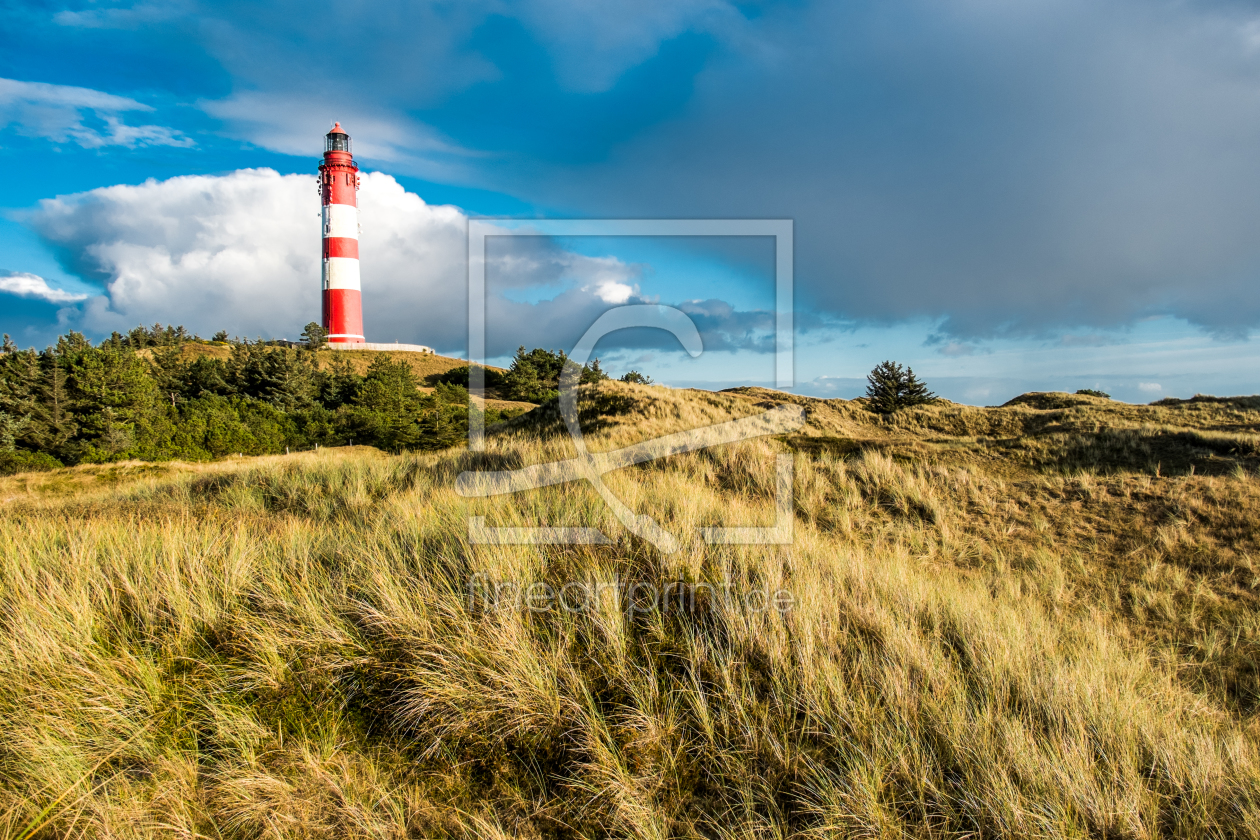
[339,181]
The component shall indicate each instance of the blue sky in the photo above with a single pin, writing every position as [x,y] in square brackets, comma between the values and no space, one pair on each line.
[1008,196]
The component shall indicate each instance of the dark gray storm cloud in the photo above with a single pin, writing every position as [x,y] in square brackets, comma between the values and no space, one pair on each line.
[1008,168]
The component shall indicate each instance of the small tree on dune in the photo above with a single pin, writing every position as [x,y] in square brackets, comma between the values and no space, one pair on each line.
[593,373]
[637,378]
[891,387]
[315,336]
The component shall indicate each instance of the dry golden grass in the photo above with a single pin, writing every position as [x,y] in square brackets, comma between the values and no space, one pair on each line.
[1006,623]
[421,364]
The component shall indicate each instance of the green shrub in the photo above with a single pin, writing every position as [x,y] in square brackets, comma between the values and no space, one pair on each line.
[459,376]
[535,375]
[13,462]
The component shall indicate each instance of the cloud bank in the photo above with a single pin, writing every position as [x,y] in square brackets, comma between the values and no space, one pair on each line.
[241,252]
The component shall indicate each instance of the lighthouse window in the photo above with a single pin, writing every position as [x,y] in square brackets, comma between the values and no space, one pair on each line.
[336,142]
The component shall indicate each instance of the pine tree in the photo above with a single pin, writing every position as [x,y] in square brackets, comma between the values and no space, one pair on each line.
[285,378]
[338,384]
[388,407]
[315,336]
[523,383]
[446,393]
[534,376]
[52,408]
[20,378]
[113,399]
[9,428]
[891,387]
[592,372]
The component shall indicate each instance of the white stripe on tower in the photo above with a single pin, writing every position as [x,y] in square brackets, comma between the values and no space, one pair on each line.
[341,221]
[341,273]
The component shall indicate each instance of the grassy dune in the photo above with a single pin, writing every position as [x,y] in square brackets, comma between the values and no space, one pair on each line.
[1038,620]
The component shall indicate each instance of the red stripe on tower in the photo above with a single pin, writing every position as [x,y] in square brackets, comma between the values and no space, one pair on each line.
[340,246]
[338,183]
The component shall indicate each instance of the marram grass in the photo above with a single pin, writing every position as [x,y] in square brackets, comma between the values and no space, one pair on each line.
[987,638]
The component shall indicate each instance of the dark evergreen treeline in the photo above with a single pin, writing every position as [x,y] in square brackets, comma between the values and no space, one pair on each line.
[77,403]
[535,375]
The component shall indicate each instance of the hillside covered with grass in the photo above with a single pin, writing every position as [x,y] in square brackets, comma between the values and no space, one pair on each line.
[1038,620]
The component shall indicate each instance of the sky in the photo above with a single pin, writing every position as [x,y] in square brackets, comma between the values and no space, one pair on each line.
[1007,196]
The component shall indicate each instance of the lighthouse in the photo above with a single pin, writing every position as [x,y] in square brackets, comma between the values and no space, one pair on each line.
[339,182]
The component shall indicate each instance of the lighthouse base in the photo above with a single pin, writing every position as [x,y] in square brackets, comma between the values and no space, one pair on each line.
[393,348]
[343,316]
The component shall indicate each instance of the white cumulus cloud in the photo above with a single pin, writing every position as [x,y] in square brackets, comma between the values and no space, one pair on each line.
[241,252]
[612,291]
[58,113]
[27,285]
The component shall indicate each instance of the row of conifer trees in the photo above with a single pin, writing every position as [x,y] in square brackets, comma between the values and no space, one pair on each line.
[76,402]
